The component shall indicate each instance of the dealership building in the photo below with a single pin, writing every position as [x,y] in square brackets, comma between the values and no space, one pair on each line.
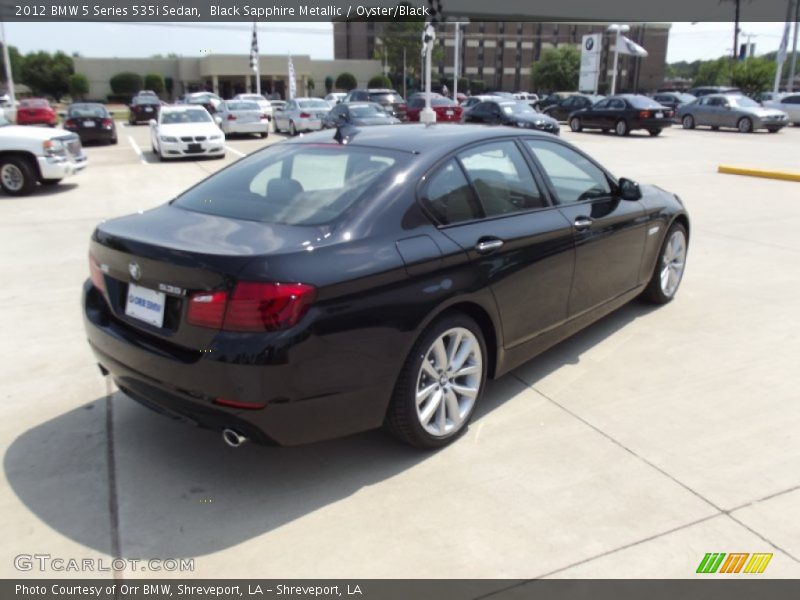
[226,74]
[500,53]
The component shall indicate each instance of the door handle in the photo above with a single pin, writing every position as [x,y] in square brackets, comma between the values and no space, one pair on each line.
[582,223]
[486,246]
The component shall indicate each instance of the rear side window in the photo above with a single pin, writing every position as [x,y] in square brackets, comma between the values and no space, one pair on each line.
[574,177]
[449,196]
[292,184]
[502,179]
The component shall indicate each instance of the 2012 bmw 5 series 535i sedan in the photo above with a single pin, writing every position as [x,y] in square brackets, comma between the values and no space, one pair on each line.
[346,280]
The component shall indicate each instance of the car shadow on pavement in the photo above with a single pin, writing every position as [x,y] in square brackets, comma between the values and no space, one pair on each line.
[44,191]
[180,492]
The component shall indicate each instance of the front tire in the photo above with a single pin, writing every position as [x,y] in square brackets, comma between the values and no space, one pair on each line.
[745,125]
[292,129]
[669,267]
[621,128]
[575,124]
[50,182]
[264,134]
[17,176]
[439,384]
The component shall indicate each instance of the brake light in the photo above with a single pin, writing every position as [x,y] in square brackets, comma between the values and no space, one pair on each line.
[96,274]
[267,306]
[231,117]
[107,123]
[207,309]
[252,306]
[69,123]
[305,115]
[644,114]
[265,116]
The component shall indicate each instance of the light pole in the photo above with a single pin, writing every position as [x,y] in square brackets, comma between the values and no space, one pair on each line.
[428,115]
[7,60]
[616,29]
[457,52]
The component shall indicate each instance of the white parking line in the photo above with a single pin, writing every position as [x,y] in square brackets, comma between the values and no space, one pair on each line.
[137,150]
[235,151]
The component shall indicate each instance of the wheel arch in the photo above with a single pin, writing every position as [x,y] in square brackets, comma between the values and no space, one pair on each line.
[29,156]
[683,220]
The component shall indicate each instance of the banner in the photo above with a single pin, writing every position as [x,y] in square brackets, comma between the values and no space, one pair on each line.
[292,80]
[591,48]
[628,46]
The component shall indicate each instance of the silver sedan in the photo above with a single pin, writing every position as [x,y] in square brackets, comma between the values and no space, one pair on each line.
[234,116]
[729,110]
[301,114]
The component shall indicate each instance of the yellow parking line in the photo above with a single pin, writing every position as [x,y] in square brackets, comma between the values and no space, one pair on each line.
[784,175]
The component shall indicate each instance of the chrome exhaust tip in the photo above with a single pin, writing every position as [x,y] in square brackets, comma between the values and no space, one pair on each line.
[233,438]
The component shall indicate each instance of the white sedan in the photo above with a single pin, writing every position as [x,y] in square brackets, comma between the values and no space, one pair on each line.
[263,103]
[788,103]
[186,130]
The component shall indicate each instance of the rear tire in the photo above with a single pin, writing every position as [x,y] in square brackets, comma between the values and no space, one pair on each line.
[654,132]
[621,128]
[451,345]
[575,124]
[17,176]
[669,267]
[292,129]
[773,130]
[264,134]
[687,122]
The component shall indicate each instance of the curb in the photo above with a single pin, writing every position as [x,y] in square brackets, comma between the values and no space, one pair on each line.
[783,175]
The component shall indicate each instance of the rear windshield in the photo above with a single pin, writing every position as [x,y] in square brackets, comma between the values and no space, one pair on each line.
[367,110]
[293,184]
[320,104]
[146,100]
[185,116]
[242,106]
[386,97]
[88,110]
[643,102]
[34,103]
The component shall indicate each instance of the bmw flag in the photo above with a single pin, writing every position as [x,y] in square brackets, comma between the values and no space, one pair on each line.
[628,46]
[292,80]
[254,51]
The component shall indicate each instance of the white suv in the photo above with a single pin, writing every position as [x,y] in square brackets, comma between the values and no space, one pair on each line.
[33,154]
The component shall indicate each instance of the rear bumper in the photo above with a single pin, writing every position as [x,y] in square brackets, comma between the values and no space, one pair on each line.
[256,127]
[651,123]
[95,135]
[185,384]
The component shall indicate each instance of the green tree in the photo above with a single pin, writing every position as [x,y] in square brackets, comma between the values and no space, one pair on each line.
[47,74]
[169,85]
[346,81]
[328,84]
[557,69]
[310,84]
[126,83]
[477,86]
[154,81]
[16,60]
[753,75]
[379,81]
[78,86]
[405,35]
[714,72]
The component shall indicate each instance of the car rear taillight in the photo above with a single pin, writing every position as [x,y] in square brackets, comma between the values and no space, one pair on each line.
[252,306]
[231,117]
[70,123]
[207,309]
[402,107]
[265,116]
[107,122]
[644,114]
[96,274]
[267,306]
[305,115]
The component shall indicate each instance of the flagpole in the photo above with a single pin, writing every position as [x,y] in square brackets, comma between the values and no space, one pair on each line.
[790,83]
[258,60]
[781,56]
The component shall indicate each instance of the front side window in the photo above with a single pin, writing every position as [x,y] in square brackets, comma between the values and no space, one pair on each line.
[573,176]
[501,178]
[292,184]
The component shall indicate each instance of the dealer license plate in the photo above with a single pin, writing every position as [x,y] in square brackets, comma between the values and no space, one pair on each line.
[88,123]
[145,304]
[659,115]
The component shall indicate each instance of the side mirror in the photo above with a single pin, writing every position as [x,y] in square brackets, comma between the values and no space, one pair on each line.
[629,190]
[152,122]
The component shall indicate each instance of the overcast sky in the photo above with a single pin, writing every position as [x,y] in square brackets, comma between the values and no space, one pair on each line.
[687,41]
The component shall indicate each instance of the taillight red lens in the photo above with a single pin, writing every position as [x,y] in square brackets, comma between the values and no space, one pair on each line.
[96,274]
[305,115]
[207,309]
[267,306]
[644,114]
[69,123]
[231,117]
[107,122]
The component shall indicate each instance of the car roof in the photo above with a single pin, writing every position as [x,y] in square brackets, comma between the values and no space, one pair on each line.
[180,108]
[420,138]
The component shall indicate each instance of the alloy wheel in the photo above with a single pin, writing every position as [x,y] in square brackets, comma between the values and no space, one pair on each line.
[673,262]
[745,125]
[688,122]
[448,382]
[13,179]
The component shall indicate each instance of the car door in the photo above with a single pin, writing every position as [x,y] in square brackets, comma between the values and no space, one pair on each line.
[491,205]
[613,113]
[714,112]
[594,115]
[727,114]
[791,106]
[610,232]
[561,111]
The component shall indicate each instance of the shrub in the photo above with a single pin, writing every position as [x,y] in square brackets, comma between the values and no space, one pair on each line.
[154,81]
[126,83]
[380,81]
[346,81]
[78,85]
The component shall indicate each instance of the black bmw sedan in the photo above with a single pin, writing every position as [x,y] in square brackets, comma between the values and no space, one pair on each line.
[514,113]
[92,122]
[623,114]
[346,280]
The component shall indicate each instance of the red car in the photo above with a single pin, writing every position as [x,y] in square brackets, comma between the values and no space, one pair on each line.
[36,111]
[445,108]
